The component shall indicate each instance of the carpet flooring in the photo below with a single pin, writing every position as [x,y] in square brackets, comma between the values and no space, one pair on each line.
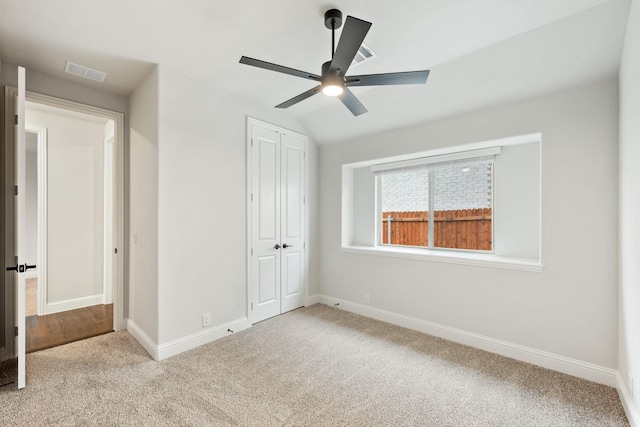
[313,366]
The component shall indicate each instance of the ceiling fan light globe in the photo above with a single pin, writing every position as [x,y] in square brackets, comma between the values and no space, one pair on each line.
[332,89]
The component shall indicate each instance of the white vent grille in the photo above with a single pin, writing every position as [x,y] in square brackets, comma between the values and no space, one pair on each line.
[85,72]
[364,54]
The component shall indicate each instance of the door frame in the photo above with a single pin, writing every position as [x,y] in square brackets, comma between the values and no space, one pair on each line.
[119,321]
[249,199]
[41,270]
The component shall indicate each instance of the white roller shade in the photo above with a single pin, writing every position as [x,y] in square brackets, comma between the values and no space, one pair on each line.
[462,156]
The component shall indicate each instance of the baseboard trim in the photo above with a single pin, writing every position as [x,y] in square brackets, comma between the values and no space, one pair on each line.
[312,299]
[200,338]
[574,367]
[627,402]
[143,339]
[172,348]
[72,304]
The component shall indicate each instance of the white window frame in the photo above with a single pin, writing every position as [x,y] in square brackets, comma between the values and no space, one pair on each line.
[430,164]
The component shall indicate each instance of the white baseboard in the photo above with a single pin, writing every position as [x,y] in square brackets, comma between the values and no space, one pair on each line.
[142,338]
[72,304]
[312,299]
[627,402]
[200,338]
[574,367]
[164,351]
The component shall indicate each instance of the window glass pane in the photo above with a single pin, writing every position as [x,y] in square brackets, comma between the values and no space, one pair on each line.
[405,208]
[463,206]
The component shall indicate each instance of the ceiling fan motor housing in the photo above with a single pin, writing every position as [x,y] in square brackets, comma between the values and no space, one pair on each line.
[325,69]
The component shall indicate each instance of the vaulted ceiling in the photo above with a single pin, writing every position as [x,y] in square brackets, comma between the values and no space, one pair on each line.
[480,53]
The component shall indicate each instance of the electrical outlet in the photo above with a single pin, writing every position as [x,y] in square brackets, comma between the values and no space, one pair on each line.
[206,320]
[367,298]
[631,385]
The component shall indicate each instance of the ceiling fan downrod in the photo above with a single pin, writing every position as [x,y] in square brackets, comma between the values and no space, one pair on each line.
[333,20]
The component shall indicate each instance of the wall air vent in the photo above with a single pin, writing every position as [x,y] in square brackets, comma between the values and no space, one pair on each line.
[85,72]
[364,54]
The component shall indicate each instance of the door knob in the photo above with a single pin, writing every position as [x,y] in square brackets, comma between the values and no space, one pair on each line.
[277,246]
[26,266]
[285,246]
[13,268]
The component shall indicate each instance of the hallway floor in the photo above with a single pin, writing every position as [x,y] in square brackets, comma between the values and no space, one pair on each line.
[62,328]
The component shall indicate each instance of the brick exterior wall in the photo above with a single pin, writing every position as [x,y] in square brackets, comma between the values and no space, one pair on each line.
[454,189]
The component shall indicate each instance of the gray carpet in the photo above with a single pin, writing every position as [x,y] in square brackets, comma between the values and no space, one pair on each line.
[314,366]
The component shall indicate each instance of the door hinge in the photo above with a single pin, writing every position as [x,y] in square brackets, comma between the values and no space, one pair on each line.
[252,197]
[15,190]
[252,142]
[15,258]
[252,306]
[16,331]
[115,250]
[304,245]
[304,200]
[16,119]
[251,251]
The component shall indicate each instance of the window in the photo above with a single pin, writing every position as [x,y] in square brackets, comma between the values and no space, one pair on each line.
[430,203]
[476,204]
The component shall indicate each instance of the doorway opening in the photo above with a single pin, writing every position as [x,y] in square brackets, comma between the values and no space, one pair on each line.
[69,223]
[74,219]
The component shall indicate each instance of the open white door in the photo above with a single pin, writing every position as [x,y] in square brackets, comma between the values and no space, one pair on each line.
[20,232]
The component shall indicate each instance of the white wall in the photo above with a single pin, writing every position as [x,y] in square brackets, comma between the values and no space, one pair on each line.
[202,203]
[53,86]
[516,198]
[312,180]
[143,207]
[31,201]
[570,308]
[629,310]
[75,211]
[188,205]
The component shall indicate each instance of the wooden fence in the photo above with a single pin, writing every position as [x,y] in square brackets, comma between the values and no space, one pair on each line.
[460,229]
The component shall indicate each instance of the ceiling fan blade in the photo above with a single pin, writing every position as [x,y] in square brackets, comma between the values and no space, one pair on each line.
[279,68]
[301,97]
[402,78]
[352,103]
[353,34]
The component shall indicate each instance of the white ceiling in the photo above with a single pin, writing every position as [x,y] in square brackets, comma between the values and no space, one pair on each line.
[479,53]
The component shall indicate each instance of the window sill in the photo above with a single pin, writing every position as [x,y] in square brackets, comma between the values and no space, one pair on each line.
[482,260]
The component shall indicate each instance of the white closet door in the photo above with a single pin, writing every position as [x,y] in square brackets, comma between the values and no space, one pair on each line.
[265,213]
[292,221]
[277,260]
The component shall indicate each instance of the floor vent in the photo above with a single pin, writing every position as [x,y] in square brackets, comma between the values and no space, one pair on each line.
[364,54]
[85,72]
